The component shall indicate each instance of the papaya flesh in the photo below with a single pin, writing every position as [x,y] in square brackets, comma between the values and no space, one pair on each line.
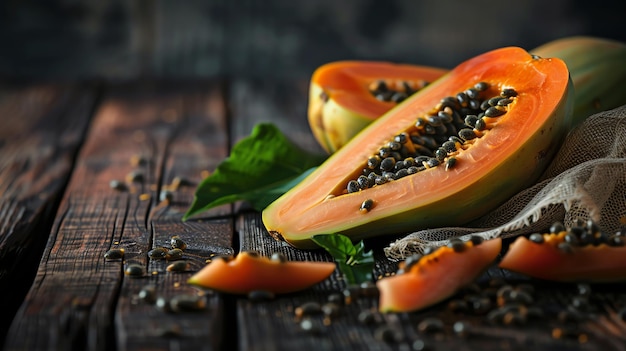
[345,96]
[598,70]
[250,272]
[502,159]
[577,255]
[436,276]
[596,67]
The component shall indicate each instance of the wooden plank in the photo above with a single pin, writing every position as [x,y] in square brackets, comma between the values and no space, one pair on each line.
[199,142]
[42,129]
[599,329]
[79,299]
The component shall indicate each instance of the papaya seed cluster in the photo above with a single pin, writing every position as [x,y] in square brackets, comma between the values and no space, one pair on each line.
[395,91]
[437,137]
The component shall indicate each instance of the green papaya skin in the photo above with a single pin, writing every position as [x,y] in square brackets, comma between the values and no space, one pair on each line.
[598,70]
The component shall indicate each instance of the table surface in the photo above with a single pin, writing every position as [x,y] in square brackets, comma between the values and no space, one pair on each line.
[61,145]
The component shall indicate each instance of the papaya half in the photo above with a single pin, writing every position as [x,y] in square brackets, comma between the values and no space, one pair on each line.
[446,155]
[434,277]
[344,96]
[579,254]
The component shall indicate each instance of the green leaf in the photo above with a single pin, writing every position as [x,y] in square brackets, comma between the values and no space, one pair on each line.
[260,168]
[354,262]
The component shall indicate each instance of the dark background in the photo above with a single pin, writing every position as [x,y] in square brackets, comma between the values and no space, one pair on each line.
[125,39]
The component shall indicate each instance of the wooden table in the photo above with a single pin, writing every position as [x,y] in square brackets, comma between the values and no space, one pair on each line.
[61,145]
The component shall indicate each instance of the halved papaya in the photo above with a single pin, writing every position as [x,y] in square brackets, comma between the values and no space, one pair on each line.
[345,96]
[249,272]
[568,256]
[436,276]
[596,67]
[448,154]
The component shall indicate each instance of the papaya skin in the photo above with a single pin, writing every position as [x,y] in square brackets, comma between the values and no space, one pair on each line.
[436,277]
[593,264]
[247,272]
[598,70]
[340,103]
[508,158]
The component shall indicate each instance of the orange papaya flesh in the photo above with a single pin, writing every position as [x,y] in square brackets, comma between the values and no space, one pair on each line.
[342,101]
[250,272]
[556,260]
[436,277]
[508,157]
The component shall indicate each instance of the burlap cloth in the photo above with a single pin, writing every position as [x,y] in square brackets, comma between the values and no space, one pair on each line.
[586,180]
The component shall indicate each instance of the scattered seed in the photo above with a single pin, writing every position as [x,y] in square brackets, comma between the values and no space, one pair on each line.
[147,294]
[174,254]
[419,345]
[462,328]
[159,253]
[367,205]
[166,195]
[307,309]
[330,309]
[178,266]
[187,303]
[134,270]
[177,243]
[134,177]
[138,160]
[118,185]
[308,326]
[114,254]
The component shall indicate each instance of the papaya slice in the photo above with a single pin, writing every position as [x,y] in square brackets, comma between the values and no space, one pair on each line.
[428,162]
[574,255]
[345,96]
[436,276]
[249,272]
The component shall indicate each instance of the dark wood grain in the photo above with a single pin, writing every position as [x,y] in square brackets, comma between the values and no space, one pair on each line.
[76,293]
[42,129]
[181,131]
